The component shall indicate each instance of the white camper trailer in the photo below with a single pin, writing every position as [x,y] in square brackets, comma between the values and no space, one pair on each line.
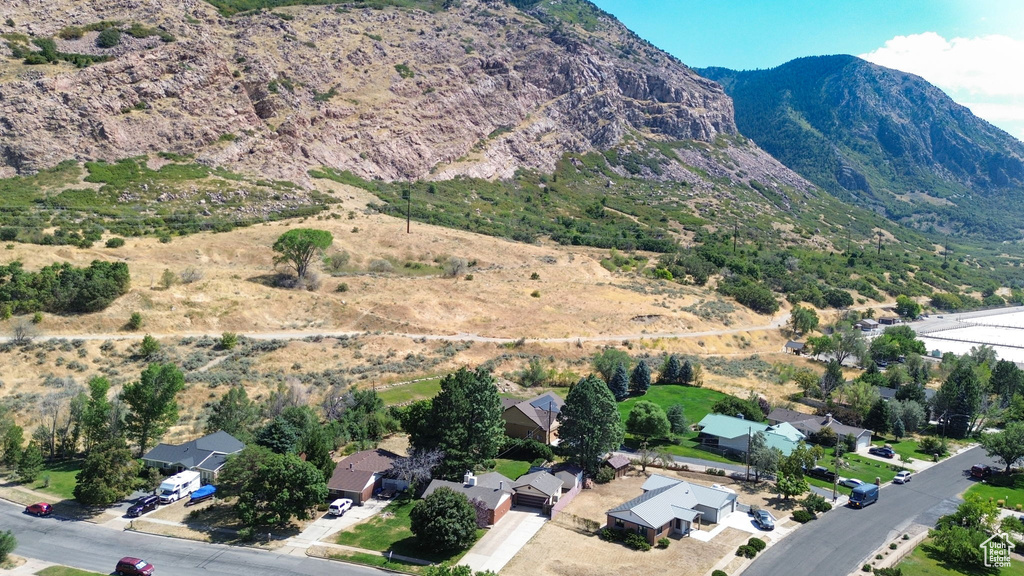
[179,486]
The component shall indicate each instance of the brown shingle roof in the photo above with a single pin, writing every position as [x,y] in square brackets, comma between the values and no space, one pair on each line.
[354,472]
[617,462]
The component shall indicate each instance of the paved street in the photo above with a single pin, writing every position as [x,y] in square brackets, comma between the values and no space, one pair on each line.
[91,547]
[840,541]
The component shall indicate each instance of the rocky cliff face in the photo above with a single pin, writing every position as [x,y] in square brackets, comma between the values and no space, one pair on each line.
[479,90]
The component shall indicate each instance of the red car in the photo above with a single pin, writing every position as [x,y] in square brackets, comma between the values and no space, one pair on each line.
[129,566]
[39,509]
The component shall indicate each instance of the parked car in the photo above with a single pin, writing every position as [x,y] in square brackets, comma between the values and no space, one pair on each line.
[822,473]
[143,505]
[981,471]
[764,520]
[902,477]
[39,509]
[339,506]
[850,482]
[129,566]
[883,451]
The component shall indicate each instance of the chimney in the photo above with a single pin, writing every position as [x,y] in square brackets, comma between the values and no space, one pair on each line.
[501,485]
[351,466]
[828,418]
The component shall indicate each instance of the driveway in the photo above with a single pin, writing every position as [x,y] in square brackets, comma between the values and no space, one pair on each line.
[504,540]
[326,525]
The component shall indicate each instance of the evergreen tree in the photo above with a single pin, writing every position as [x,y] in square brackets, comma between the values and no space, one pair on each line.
[1006,380]
[234,413]
[960,398]
[317,446]
[108,474]
[589,424]
[878,419]
[640,379]
[619,383]
[96,419]
[670,371]
[898,429]
[677,419]
[685,374]
[30,463]
[152,403]
[467,416]
[279,436]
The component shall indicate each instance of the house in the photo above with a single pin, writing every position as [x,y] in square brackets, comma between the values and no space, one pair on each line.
[206,455]
[810,424]
[866,325]
[671,506]
[619,464]
[492,492]
[361,474]
[889,320]
[536,419]
[887,393]
[793,347]
[570,475]
[537,490]
[732,434]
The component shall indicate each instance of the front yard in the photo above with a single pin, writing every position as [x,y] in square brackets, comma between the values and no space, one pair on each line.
[1000,486]
[390,531]
[564,547]
[926,561]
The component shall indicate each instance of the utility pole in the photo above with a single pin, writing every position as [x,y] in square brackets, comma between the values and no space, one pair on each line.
[847,240]
[735,233]
[748,454]
[879,242]
[408,209]
[835,477]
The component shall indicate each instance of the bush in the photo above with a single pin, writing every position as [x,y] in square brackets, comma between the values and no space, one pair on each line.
[115,242]
[746,551]
[637,542]
[109,38]
[604,475]
[757,544]
[892,546]
[663,542]
[343,287]
[135,321]
[228,340]
[7,544]
[803,516]
[609,535]
[866,568]
[381,266]
[719,573]
[37,317]
[191,274]
[535,293]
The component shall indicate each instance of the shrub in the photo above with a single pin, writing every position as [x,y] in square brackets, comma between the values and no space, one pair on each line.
[719,573]
[115,242]
[746,551]
[381,266]
[455,267]
[535,293]
[191,274]
[168,279]
[343,287]
[663,542]
[609,535]
[7,544]
[637,542]
[866,568]
[604,475]
[135,321]
[149,346]
[109,38]
[228,340]
[469,276]
[534,276]
[757,544]
[404,71]
[892,546]
[803,516]
[37,317]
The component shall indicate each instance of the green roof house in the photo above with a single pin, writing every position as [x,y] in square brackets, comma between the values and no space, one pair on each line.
[731,433]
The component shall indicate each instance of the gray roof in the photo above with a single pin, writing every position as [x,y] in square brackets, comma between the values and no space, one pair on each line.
[206,453]
[543,482]
[668,499]
[890,393]
[793,345]
[809,423]
[487,490]
[543,410]
[550,402]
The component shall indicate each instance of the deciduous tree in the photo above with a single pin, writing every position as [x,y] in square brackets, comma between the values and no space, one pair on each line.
[152,403]
[444,521]
[299,247]
[1007,445]
[108,474]
[589,423]
[677,419]
[790,486]
[803,320]
[271,488]
[607,361]
[647,420]
[234,413]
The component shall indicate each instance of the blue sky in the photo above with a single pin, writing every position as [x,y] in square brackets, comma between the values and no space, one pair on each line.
[972,49]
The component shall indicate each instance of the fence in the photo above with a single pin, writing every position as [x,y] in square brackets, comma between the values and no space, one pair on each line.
[564,500]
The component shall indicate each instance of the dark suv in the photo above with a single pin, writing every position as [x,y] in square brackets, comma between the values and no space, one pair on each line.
[883,451]
[981,471]
[129,566]
[143,505]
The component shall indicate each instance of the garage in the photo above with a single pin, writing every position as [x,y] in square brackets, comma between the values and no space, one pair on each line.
[530,500]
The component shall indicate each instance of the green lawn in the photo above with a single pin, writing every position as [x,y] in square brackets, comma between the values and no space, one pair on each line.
[697,403]
[1001,487]
[393,533]
[866,469]
[926,561]
[62,478]
[906,447]
[65,571]
[511,469]
[379,561]
[412,392]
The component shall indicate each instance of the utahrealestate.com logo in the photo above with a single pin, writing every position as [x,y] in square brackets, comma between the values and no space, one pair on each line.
[997,550]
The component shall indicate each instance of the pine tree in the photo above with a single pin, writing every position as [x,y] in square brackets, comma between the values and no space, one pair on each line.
[878,418]
[30,463]
[619,383]
[590,425]
[670,371]
[640,379]
[686,373]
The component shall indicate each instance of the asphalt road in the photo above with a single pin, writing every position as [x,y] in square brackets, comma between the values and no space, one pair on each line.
[840,541]
[97,548]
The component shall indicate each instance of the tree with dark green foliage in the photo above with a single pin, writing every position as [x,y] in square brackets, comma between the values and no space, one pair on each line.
[678,423]
[299,247]
[108,474]
[640,379]
[271,488]
[279,436]
[234,413]
[737,407]
[317,445]
[607,361]
[803,320]
[899,430]
[647,420]
[686,375]
[619,383]
[108,38]
[62,288]
[152,403]
[670,371]
[589,424]
[879,419]
[11,444]
[1006,445]
[959,398]
[464,422]
[149,346]
[1006,381]
[7,544]
[443,521]
[30,464]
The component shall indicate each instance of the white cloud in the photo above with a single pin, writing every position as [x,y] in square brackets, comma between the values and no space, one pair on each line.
[982,73]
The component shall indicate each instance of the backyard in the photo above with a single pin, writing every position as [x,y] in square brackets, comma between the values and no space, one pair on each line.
[57,478]
[697,403]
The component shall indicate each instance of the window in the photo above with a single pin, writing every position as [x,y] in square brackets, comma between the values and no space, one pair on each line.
[619,524]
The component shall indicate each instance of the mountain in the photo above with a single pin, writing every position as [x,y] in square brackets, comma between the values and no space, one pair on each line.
[884,139]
